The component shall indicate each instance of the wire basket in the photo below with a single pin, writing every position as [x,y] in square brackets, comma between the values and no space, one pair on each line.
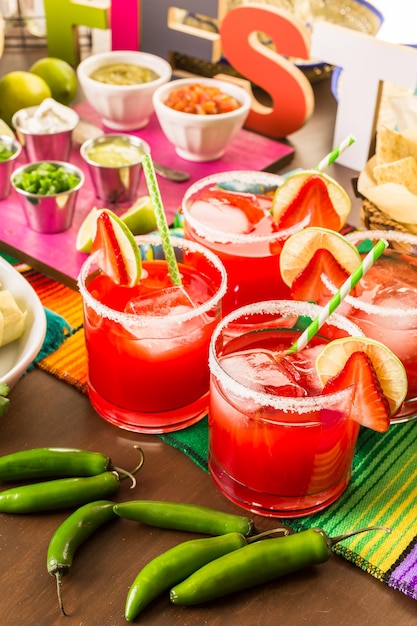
[373,218]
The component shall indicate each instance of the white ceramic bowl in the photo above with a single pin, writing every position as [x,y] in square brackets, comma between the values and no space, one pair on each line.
[16,356]
[122,107]
[201,137]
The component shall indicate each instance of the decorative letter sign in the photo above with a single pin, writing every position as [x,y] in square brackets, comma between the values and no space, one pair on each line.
[125,25]
[291,92]
[62,20]
[162,34]
[366,61]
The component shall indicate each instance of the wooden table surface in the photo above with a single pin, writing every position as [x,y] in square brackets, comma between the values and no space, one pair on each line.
[47,412]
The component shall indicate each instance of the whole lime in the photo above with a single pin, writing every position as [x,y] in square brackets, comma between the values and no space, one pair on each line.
[19,90]
[60,77]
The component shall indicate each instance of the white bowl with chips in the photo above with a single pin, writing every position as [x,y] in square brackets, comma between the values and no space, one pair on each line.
[15,357]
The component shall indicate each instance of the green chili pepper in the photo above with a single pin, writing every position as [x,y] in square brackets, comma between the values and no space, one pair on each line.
[257,563]
[181,516]
[172,566]
[69,535]
[46,179]
[58,494]
[56,462]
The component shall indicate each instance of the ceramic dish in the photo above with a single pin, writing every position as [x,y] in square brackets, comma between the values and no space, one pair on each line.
[16,356]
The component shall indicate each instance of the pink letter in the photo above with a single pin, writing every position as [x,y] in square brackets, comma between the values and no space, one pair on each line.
[125,24]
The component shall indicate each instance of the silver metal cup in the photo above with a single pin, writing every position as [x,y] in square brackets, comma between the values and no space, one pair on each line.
[44,146]
[7,166]
[49,214]
[118,183]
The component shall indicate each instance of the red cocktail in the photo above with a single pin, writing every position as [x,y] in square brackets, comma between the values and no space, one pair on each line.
[385,304]
[246,217]
[238,227]
[148,344]
[278,445]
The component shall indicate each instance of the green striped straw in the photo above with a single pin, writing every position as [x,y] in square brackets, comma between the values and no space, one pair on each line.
[339,296]
[160,218]
[334,154]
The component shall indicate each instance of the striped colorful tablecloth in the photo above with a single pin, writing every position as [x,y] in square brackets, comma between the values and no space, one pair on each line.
[382,491]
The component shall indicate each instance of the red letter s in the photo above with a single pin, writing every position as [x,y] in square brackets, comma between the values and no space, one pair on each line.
[291,92]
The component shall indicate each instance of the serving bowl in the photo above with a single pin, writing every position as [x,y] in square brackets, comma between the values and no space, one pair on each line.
[114,164]
[16,356]
[122,106]
[48,211]
[201,137]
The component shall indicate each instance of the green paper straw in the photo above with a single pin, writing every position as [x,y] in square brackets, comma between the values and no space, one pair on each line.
[339,296]
[160,218]
[334,154]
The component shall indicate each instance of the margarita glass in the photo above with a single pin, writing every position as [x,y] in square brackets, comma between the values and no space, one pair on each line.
[148,345]
[277,445]
[385,304]
[243,236]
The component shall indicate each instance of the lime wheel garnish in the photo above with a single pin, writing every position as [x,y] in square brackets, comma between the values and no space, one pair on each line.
[311,253]
[379,377]
[311,195]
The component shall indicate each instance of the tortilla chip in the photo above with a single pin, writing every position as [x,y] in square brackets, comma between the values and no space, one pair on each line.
[393,146]
[403,172]
[390,146]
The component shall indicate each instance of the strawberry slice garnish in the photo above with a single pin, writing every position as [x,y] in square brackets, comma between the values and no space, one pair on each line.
[312,200]
[118,254]
[308,284]
[371,407]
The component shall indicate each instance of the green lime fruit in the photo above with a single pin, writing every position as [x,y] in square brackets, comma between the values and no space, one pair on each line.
[19,90]
[59,76]
[140,218]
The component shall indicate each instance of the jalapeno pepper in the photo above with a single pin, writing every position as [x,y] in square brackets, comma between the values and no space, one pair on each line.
[179,562]
[55,462]
[172,566]
[257,563]
[69,535]
[182,516]
[58,494]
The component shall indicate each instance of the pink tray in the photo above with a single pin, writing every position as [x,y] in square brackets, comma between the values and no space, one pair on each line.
[55,254]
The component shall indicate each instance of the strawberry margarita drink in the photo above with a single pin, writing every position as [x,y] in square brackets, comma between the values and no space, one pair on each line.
[148,344]
[238,227]
[245,217]
[277,445]
[385,305]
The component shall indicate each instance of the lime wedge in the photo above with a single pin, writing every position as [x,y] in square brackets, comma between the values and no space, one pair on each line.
[140,217]
[118,252]
[85,234]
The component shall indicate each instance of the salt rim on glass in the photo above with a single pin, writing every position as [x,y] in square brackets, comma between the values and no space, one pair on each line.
[303,404]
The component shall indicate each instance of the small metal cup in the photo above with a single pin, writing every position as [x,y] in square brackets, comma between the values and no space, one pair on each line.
[7,166]
[115,184]
[49,214]
[48,146]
